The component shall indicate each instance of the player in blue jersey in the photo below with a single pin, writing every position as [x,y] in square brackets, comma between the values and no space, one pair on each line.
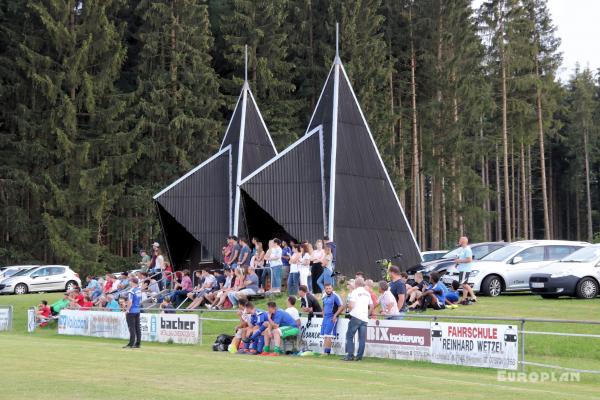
[332,308]
[257,325]
[280,325]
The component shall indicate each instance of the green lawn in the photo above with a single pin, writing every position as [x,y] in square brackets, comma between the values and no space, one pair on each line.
[90,368]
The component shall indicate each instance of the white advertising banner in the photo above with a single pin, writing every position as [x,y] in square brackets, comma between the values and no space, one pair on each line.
[155,327]
[402,340]
[5,319]
[477,345]
[311,335]
[397,339]
[178,328]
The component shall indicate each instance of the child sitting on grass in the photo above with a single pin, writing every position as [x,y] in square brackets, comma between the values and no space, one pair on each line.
[452,296]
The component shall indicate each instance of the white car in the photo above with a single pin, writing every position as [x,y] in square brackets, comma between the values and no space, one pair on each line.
[509,268]
[45,278]
[577,275]
[10,270]
[432,255]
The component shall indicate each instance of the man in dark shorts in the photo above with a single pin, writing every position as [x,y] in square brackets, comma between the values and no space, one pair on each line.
[464,262]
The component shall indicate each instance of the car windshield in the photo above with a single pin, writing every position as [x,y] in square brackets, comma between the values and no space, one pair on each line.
[451,255]
[502,253]
[587,254]
[24,271]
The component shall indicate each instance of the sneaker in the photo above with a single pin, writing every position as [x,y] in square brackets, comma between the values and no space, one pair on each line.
[135,347]
[358,359]
[127,347]
[348,358]
[208,306]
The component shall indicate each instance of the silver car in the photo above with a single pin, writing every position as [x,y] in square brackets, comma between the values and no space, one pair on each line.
[45,278]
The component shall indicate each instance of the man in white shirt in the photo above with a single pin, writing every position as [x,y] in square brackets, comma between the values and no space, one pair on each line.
[292,310]
[360,306]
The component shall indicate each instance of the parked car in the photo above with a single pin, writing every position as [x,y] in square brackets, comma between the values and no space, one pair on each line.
[509,268]
[40,279]
[440,266]
[577,275]
[432,255]
[10,270]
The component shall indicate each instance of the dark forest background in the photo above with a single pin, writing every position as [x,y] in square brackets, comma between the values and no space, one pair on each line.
[102,103]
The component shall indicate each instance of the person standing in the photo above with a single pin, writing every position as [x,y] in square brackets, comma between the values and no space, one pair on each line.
[276,265]
[326,277]
[304,267]
[245,253]
[286,255]
[316,269]
[333,306]
[360,306]
[145,262]
[293,281]
[464,262]
[331,245]
[235,252]
[134,301]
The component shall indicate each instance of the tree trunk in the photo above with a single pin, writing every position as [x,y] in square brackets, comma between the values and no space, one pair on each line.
[551,208]
[498,199]
[577,213]
[590,230]
[415,132]
[524,197]
[540,122]
[530,193]
[507,203]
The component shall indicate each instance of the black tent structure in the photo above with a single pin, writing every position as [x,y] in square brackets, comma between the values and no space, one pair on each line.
[333,182]
[200,209]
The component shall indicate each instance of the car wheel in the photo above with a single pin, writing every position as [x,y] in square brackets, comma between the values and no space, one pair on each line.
[549,296]
[71,285]
[491,286]
[21,288]
[587,288]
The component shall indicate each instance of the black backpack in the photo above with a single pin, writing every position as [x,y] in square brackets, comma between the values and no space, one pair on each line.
[222,342]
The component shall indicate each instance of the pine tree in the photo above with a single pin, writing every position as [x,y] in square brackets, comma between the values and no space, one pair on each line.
[262,27]
[72,142]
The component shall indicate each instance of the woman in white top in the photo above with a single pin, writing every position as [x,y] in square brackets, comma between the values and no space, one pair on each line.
[318,256]
[304,268]
[293,281]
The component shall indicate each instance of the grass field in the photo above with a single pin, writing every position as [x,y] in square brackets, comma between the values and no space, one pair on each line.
[44,365]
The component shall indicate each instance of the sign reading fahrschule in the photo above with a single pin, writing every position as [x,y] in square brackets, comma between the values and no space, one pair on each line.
[478,345]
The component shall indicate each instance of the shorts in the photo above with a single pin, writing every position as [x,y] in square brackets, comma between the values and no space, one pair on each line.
[452,297]
[287,331]
[463,277]
[328,327]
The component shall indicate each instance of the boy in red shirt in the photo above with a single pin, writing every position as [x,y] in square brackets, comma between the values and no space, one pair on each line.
[43,313]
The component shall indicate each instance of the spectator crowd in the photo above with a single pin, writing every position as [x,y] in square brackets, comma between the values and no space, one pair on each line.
[250,271]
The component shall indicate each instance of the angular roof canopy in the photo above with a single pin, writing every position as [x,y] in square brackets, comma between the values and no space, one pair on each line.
[204,205]
[333,182]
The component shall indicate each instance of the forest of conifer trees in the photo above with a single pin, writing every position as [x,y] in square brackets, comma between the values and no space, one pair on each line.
[102,103]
